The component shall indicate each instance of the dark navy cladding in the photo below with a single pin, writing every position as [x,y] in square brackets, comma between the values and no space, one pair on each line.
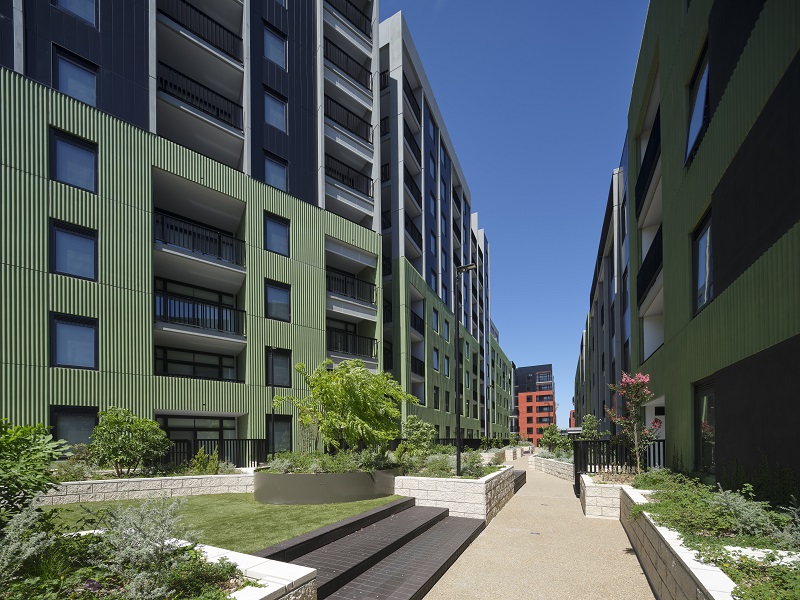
[118,46]
[297,85]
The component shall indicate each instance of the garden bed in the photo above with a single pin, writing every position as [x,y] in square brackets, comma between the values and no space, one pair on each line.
[322,488]
[600,500]
[562,470]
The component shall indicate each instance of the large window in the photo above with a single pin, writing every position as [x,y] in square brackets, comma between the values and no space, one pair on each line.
[73,341]
[73,250]
[698,104]
[274,48]
[174,362]
[447,366]
[73,161]
[281,369]
[275,173]
[436,359]
[73,423]
[283,433]
[275,111]
[705,426]
[279,304]
[276,234]
[446,331]
[207,427]
[83,9]
[436,397]
[75,77]
[703,266]
[435,323]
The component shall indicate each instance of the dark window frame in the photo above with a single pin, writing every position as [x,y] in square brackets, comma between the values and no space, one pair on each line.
[278,161]
[78,61]
[275,353]
[57,317]
[63,409]
[95,3]
[276,284]
[57,135]
[704,226]
[285,103]
[268,216]
[701,67]
[165,358]
[278,418]
[78,230]
[280,36]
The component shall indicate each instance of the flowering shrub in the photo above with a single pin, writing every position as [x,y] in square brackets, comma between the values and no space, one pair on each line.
[634,432]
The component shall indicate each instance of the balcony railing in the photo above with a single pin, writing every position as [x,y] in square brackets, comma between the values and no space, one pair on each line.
[386,172]
[412,143]
[348,64]
[386,220]
[384,126]
[384,79]
[350,343]
[412,186]
[203,26]
[199,96]
[413,231]
[178,232]
[412,99]
[352,287]
[651,267]
[417,366]
[417,323]
[648,166]
[351,12]
[348,119]
[457,229]
[184,310]
[347,175]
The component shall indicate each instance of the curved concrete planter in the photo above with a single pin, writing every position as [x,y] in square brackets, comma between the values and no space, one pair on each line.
[322,488]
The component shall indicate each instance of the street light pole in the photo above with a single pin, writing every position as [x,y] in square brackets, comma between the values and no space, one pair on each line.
[272,401]
[459,362]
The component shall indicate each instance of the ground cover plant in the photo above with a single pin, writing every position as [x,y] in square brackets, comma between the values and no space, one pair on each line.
[710,519]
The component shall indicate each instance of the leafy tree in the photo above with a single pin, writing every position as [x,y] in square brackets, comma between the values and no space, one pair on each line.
[349,403]
[125,441]
[418,436]
[551,438]
[589,428]
[635,433]
[26,452]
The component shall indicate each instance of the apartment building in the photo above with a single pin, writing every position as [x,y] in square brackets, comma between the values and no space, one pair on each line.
[191,193]
[711,237]
[534,389]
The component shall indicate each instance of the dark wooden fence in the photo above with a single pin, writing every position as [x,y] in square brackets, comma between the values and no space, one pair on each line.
[605,456]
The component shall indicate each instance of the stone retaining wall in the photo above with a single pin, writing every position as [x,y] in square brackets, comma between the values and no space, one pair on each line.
[552,467]
[599,500]
[671,569]
[472,498]
[147,487]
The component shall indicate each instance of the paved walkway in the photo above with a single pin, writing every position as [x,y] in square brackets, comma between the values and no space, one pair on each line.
[541,546]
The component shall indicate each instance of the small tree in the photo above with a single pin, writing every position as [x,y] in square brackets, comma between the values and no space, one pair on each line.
[418,436]
[350,403]
[124,441]
[26,452]
[635,434]
[551,438]
[590,428]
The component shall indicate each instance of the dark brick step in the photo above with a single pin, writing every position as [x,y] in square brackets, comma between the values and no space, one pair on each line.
[345,559]
[411,571]
[519,480]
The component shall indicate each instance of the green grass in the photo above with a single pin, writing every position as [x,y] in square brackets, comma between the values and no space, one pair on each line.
[237,522]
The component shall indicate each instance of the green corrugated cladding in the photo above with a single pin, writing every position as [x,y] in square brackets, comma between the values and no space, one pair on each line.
[122,298]
[761,307]
[500,421]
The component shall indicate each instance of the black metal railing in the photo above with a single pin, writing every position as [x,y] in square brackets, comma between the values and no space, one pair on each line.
[651,267]
[384,79]
[417,366]
[384,126]
[648,166]
[456,230]
[413,231]
[184,310]
[350,343]
[348,119]
[412,100]
[412,143]
[605,456]
[386,221]
[386,172]
[240,452]
[184,234]
[350,11]
[348,64]
[203,26]
[347,175]
[412,186]
[387,267]
[347,285]
[195,94]
[417,322]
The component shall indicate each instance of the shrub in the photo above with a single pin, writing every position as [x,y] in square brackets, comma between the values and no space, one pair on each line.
[418,436]
[590,428]
[439,465]
[124,441]
[77,467]
[443,449]
[748,516]
[203,463]
[472,464]
[26,452]
[344,461]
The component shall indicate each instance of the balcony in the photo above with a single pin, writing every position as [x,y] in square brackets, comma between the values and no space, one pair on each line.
[343,342]
[387,267]
[197,325]
[412,100]
[417,323]
[348,176]
[412,143]
[352,287]
[417,366]
[651,267]
[347,64]
[198,96]
[412,187]
[171,230]
[203,26]
[457,231]
[387,312]
[347,119]
[648,167]
[354,16]
[384,79]
[414,233]
[385,126]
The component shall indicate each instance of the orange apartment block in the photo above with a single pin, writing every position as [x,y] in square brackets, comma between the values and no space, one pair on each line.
[536,400]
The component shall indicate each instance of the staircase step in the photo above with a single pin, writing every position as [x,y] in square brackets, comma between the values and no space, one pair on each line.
[519,479]
[345,559]
[411,571]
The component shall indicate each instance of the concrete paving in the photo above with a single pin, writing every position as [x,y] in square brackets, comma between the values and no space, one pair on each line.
[541,546]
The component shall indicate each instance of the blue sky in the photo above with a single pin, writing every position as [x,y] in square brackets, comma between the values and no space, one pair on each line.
[535,98]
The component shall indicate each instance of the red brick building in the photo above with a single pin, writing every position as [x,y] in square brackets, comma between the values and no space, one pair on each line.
[536,401]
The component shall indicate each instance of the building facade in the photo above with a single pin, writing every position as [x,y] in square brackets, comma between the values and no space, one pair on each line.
[534,388]
[714,233]
[191,193]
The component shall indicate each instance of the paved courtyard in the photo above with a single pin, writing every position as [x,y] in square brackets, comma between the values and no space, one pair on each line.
[541,546]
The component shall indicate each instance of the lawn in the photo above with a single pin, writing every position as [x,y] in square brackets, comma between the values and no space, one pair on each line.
[237,522]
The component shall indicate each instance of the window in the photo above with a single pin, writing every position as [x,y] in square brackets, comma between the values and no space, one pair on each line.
[73,250]
[281,368]
[529,398]
[447,432]
[73,161]
[447,403]
[530,430]
[447,366]
[274,48]
[436,397]
[529,409]
[278,296]
[703,265]
[275,173]
[174,362]
[75,77]
[624,290]
[435,359]
[275,112]
[73,423]
[432,165]
[433,246]
[276,234]
[445,298]
[698,103]
[73,341]
[705,426]
[529,420]
[435,324]
[83,9]
[447,330]
[283,433]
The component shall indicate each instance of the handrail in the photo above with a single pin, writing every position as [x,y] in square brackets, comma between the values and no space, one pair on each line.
[185,310]
[417,322]
[348,119]
[350,343]
[347,63]
[347,285]
[194,93]
[203,26]
[413,231]
[646,170]
[412,186]
[651,267]
[185,234]
[417,366]
[412,143]
[347,175]
[411,98]
[351,12]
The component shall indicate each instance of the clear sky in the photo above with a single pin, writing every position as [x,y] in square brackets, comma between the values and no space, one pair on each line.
[535,97]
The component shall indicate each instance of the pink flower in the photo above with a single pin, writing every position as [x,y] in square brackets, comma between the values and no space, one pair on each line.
[656,423]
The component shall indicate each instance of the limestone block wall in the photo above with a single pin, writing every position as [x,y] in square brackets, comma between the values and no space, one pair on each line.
[671,569]
[599,500]
[552,467]
[472,498]
[147,487]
